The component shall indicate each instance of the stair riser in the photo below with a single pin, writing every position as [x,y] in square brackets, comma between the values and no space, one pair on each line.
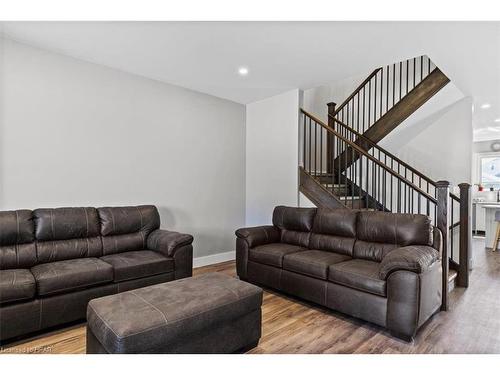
[357,204]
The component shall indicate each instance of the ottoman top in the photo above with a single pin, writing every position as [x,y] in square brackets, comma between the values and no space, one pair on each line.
[160,314]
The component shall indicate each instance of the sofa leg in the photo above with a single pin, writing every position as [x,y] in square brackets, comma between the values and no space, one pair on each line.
[247,348]
[409,339]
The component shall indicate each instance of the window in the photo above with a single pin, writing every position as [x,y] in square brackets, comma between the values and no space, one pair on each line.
[490,172]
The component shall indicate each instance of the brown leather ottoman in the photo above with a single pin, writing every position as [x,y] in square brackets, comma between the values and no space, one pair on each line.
[210,313]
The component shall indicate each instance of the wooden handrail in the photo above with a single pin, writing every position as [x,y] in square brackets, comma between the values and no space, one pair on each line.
[373,144]
[370,157]
[358,89]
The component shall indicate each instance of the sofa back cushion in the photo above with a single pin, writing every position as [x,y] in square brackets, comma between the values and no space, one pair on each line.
[380,232]
[127,228]
[17,239]
[67,233]
[295,224]
[334,230]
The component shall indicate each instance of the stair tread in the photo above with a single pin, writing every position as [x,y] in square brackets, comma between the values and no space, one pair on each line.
[452,275]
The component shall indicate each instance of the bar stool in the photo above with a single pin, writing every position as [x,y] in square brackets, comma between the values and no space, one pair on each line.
[497,234]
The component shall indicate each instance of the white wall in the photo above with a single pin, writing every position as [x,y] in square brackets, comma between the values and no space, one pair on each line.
[316,98]
[76,133]
[438,140]
[271,155]
[304,201]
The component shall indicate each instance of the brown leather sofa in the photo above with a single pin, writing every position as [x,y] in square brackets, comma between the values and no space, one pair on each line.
[382,267]
[53,261]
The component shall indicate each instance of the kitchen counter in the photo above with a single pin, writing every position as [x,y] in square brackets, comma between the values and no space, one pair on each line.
[490,224]
[489,204]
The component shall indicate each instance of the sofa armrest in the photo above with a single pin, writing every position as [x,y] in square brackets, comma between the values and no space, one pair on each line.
[183,261]
[167,242]
[416,259]
[257,236]
[437,240]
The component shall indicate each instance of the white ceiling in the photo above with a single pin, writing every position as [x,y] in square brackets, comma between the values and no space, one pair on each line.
[205,56]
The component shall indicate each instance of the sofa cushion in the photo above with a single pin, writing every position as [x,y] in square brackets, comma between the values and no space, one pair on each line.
[294,223]
[335,222]
[67,233]
[137,264]
[16,285]
[295,238]
[334,230]
[313,263]
[17,235]
[359,274]
[294,218]
[381,232]
[127,228]
[68,275]
[53,251]
[66,223]
[272,254]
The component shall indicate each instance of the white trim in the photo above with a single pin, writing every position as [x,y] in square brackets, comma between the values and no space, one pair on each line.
[213,259]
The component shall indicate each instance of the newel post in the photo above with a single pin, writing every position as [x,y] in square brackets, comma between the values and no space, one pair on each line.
[465,235]
[329,141]
[443,224]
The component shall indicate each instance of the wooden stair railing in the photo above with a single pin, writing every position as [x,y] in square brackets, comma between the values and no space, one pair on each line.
[461,230]
[384,156]
[387,97]
[381,91]
[375,179]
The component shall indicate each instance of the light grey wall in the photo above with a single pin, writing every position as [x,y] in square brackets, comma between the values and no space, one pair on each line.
[437,142]
[272,156]
[76,134]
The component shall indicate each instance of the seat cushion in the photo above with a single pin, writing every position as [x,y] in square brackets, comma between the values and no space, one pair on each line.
[313,263]
[16,285]
[68,275]
[272,254]
[358,274]
[137,264]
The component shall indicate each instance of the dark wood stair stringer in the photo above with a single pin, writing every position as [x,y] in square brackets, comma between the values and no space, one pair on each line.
[313,187]
[316,192]
[412,101]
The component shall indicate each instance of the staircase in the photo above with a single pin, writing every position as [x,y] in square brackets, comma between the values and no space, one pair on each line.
[343,166]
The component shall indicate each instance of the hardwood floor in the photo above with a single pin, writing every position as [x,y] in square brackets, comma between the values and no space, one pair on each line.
[472,325]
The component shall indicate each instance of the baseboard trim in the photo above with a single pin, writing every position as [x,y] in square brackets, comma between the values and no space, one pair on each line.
[213,259]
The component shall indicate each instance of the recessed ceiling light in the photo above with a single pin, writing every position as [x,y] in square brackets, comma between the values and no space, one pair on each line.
[485,105]
[497,120]
[243,71]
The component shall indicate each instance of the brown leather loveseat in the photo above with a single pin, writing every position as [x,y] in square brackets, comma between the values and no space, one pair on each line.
[53,261]
[381,267]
